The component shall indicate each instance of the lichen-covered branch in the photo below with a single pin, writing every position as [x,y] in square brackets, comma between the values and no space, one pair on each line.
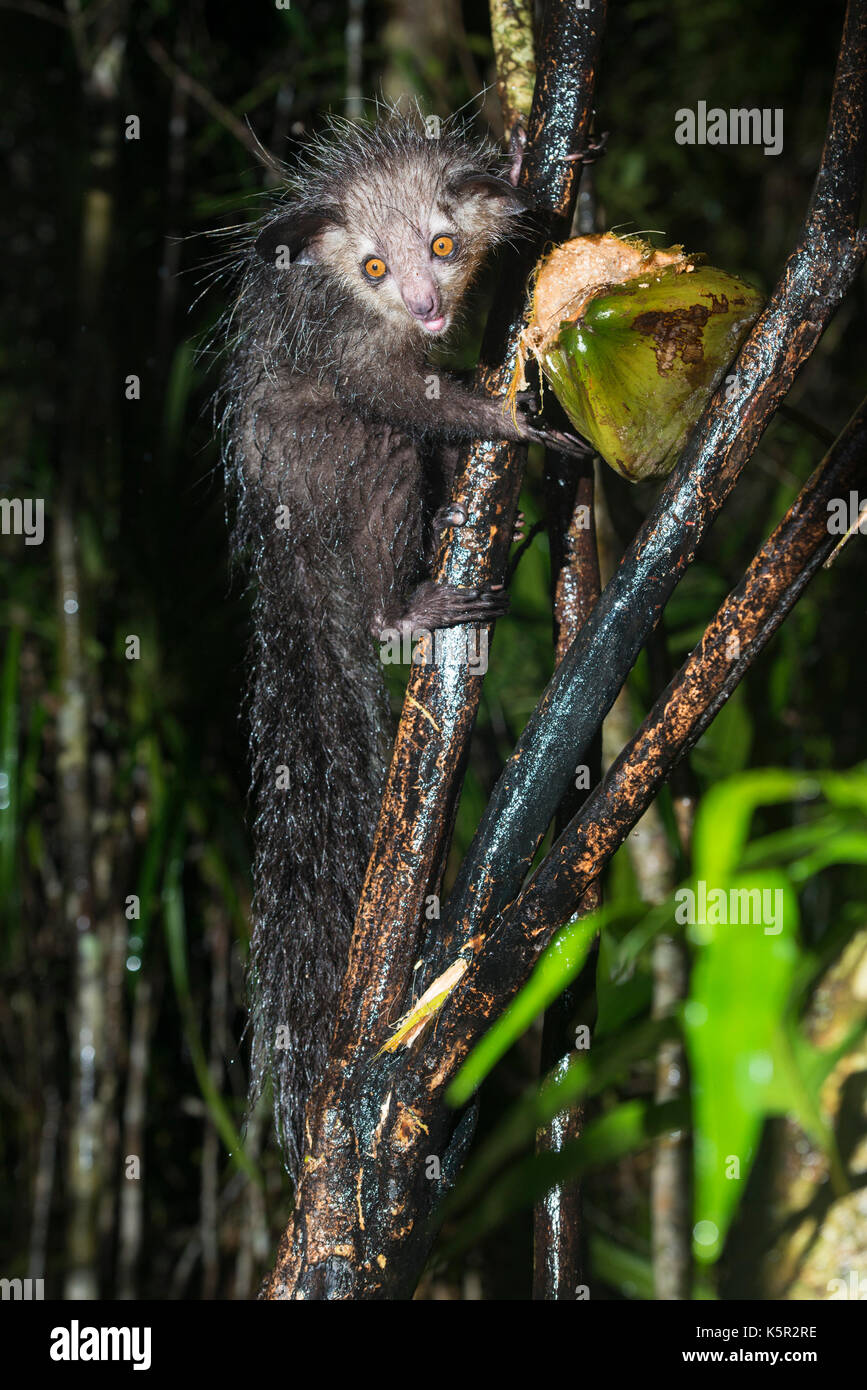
[512,35]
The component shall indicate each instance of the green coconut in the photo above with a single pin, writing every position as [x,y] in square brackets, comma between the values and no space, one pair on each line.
[634,341]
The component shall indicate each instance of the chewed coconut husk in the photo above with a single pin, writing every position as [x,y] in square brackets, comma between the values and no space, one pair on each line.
[633,341]
[576,272]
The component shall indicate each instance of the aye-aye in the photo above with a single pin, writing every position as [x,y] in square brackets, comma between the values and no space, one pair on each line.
[338,454]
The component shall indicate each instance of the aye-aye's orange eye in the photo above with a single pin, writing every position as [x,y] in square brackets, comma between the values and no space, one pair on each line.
[374,268]
[442,246]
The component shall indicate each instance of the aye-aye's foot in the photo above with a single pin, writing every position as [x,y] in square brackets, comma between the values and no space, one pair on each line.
[524,426]
[445,605]
[453,514]
[592,151]
[517,147]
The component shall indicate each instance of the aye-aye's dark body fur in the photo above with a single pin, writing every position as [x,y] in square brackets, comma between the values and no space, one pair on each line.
[331,441]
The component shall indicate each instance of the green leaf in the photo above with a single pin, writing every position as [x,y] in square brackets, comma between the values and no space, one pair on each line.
[621,1268]
[585,1075]
[174,917]
[177,396]
[723,821]
[556,969]
[739,1052]
[631,1126]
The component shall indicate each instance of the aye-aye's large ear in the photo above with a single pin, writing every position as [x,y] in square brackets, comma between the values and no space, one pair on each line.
[292,236]
[508,200]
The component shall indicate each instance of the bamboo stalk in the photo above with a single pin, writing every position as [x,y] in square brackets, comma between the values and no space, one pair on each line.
[101,58]
[131,1206]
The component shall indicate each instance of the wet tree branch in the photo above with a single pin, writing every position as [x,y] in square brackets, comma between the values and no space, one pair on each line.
[344,1225]
[383,1147]
[741,629]
[441,701]
[818,274]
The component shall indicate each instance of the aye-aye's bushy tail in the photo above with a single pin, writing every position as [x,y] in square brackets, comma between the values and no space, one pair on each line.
[319,714]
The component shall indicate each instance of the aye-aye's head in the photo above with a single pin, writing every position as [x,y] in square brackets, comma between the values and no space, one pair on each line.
[401,221]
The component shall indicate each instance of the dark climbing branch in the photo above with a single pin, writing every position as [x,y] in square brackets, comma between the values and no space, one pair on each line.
[351,1236]
[741,629]
[557,1215]
[441,701]
[366,1205]
[818,274]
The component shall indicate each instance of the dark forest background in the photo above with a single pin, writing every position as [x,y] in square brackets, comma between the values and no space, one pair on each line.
[121,1022]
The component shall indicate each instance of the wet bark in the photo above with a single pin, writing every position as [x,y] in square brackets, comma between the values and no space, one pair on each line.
[383,1147]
